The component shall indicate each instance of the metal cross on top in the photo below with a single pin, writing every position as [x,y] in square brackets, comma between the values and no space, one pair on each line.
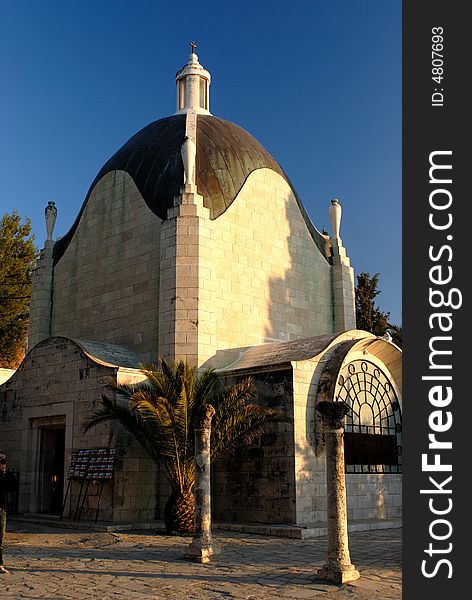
[193,45]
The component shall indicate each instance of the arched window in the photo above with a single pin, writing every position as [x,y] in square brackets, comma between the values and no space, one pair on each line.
[203,93]
[372,438]
[181,84]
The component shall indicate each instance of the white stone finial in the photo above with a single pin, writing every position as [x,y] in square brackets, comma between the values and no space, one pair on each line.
[50,213]
[188,151]
[335,212]
[193,86]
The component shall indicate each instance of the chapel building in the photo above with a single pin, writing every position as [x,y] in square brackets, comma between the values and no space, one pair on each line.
[193,244]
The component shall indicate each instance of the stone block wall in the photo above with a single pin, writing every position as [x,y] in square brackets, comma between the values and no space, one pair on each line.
[182,318]
[5,374]
[39,326]
[344,293]
[309,460]
[282,479]
[262,277]
[369,495]
[374,496]
[59,385]
[257,484]
[106,285]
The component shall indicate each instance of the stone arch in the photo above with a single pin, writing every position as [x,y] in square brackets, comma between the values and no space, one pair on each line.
[367,375]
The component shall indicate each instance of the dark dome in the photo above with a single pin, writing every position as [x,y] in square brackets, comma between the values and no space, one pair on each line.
[226,156]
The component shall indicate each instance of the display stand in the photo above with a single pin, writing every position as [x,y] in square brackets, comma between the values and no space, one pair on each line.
[86,466]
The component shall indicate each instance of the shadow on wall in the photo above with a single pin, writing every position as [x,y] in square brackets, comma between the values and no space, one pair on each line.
[256,484]
[300,301]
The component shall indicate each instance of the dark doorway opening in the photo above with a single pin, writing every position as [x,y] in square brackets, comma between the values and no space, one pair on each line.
[52,469]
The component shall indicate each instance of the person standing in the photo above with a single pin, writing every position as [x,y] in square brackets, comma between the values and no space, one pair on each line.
[7,484]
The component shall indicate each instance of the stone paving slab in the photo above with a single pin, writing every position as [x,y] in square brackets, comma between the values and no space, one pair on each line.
[58,564]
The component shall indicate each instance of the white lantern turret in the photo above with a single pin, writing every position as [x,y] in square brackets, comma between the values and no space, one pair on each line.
[193,87]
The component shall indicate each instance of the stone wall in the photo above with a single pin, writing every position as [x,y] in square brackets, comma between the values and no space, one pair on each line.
[257,484]
[282,479]
[59,385]
[369,495]
[262,277]
[106,285]
[309,459]
[374,496]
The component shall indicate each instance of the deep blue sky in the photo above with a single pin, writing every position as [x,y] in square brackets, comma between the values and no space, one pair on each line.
[318,82]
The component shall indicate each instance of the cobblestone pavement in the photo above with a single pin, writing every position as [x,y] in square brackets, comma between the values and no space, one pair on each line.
[58,564]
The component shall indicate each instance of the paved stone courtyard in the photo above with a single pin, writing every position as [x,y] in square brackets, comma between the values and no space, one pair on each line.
[60,564]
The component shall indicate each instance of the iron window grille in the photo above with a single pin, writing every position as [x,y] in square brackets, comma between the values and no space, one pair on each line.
[372,438]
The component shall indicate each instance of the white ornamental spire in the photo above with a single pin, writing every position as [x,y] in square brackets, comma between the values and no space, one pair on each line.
[189,154]
[335,211]
[50,214]
[193,86]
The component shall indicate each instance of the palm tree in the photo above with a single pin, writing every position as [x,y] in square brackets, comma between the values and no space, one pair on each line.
[159,413]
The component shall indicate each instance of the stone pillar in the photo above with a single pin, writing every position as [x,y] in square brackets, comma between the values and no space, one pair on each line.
[343,288]
[41,297]
[41,284]
[201,547]
[179,293]
[338,568]
[342,275]
[184,317]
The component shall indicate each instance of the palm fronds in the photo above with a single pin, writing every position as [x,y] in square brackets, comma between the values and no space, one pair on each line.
[237,422]
[160,412]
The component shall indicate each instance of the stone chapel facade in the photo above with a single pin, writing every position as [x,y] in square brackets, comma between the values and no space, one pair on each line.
[193,244]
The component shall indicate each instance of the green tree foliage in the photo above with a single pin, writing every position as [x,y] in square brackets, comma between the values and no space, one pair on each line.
[396,332]
[369,317]
[159,413]
[17,258]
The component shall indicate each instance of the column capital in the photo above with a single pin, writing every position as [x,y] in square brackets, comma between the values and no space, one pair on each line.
[204,416]
[333,413]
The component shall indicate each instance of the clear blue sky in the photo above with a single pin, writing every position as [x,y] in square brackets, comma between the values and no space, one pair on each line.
[317,82]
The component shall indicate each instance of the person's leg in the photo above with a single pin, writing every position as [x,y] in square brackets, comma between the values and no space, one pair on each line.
[3,526]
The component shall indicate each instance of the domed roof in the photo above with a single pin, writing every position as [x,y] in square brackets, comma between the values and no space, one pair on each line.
[226,156]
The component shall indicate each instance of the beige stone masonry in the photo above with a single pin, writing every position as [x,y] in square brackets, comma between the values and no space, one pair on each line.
[343,288]
[58,384]
[182,316]
[106,285]
[41,297]
[190,286]
[262,278]
[369,496]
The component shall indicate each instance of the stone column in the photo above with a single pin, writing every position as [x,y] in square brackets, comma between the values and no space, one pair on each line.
[338,568]
[201,547]
[41,284]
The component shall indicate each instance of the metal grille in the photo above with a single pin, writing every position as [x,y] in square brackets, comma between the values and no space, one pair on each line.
[372,440]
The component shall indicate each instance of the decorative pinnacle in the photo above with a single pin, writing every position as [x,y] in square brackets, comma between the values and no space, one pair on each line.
[193,46]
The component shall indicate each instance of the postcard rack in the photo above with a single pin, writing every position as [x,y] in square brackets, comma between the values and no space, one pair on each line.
[89,465]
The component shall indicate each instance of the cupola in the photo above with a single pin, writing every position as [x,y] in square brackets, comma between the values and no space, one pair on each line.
[193,86]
